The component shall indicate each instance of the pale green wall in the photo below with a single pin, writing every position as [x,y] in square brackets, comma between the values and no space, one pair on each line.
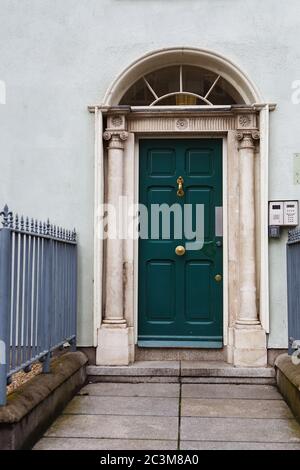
[58,56]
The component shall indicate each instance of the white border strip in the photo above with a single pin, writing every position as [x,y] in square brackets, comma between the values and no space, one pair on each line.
[264,242]
[98,243]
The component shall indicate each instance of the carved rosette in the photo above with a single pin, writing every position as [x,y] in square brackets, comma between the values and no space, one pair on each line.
[244,120]
[182,124]
[116,121]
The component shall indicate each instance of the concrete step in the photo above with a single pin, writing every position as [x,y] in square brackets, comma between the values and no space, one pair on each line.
[182,371]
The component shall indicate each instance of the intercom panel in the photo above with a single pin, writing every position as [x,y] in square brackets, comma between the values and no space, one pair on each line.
[283,213]
[290,213]
[276,213]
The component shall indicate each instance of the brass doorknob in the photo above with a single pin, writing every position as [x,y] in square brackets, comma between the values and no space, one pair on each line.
[179,250]
[218,277]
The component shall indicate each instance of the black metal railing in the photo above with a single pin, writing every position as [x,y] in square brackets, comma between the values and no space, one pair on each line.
[38,293]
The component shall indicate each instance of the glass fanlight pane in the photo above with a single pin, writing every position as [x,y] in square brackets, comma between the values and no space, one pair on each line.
[164,81]
[186,100]
[159,84]
[137,95]
[197,80]
[224,93]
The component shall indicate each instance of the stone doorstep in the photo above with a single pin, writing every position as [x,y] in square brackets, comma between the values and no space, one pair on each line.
[182,369]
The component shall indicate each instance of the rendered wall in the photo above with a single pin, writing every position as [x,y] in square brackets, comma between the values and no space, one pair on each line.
[56,57]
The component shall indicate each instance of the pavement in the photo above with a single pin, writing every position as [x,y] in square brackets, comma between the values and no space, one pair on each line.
[170,416]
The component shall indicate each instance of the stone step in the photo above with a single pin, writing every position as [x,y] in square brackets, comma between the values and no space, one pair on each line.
[181,371]
[180,354]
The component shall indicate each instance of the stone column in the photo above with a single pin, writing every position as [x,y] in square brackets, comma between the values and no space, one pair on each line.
[115,338]
[249,338]
[248,309]
[113,314]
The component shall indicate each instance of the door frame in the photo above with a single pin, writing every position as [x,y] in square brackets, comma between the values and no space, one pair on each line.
[245,133]
[183,136]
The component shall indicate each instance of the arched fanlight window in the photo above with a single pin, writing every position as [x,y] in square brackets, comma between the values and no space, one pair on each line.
[181,85]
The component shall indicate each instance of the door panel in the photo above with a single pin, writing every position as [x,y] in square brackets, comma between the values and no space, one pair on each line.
[161,162]
[160,284]
[197,287]
[180,302]
[199,162]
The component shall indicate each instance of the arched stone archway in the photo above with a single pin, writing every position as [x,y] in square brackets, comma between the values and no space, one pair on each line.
[244,130]
[185,56]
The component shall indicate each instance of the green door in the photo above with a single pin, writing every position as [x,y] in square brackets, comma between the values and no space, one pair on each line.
[180,295]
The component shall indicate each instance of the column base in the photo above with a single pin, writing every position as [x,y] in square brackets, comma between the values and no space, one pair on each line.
[247,347]
[115,345]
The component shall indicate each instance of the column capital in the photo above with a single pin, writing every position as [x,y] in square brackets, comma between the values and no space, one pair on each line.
[247,138]
[116,139]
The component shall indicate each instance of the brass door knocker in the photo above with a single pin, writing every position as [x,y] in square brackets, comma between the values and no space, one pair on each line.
[180,182]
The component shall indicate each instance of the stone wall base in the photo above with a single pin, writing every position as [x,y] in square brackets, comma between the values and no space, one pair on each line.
[115,345]
[34,405]
[247,347]
[288,381]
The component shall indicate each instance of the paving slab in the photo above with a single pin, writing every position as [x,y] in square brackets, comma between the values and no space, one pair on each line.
[240,430]
[52,443]
[139,406]
[199,445]
[139,368]
[262,392]
[234,408]
[122,416]
[114,427]
[131,390]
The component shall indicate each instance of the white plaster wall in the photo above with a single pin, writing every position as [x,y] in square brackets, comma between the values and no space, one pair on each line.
[58,56]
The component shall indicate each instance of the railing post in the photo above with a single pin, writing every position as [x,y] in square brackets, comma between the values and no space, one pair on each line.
[74,294]
[5,298]
[48,299]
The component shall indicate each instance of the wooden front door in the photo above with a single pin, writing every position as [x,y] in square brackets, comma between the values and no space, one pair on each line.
[180,295]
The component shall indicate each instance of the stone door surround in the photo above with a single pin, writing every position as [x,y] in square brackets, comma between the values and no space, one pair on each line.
[240,128]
